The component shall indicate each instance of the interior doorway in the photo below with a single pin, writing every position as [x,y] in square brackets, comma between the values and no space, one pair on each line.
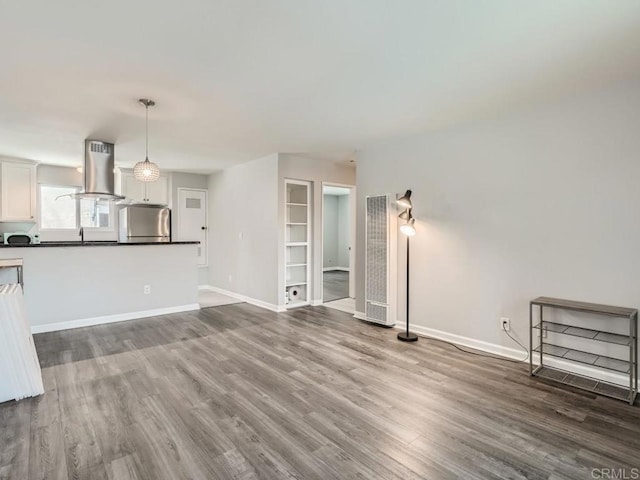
[338,246]
[192,220]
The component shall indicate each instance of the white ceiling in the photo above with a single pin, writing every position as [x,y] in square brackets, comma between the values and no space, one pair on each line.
[239,79]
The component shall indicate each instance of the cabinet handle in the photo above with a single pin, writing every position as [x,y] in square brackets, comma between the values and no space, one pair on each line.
[204,228]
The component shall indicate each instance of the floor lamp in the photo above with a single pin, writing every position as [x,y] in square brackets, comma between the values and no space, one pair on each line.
[409,231]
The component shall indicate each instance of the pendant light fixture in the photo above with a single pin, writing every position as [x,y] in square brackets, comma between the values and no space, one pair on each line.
[146,171]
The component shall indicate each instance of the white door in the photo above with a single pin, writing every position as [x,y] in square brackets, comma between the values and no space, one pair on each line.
[192,219]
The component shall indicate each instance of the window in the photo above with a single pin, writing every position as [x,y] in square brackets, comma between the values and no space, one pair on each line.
[57,213]
[60,212]
[94,213]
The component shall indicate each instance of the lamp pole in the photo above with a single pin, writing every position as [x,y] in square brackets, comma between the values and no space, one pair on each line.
[407,336]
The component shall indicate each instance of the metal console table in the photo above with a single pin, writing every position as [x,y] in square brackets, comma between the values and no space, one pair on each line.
[604,362]
[14,263]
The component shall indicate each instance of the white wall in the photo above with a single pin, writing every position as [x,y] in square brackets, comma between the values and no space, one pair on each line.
[544,202]
[335,234]
[330,231]
[243,233]
[316,171]
[64,284]
[344,229]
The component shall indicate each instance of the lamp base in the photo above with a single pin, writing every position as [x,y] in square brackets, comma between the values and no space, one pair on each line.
[407,337]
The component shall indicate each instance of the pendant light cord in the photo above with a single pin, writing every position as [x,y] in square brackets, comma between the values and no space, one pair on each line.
[147,132]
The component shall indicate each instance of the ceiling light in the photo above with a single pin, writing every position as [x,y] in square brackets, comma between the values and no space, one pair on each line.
[146,171]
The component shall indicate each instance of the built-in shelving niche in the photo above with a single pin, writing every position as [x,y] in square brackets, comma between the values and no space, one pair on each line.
[297,243]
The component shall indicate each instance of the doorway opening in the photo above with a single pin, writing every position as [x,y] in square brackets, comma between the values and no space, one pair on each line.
[338,243]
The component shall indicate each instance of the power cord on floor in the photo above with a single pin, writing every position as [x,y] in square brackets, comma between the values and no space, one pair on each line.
[488,355]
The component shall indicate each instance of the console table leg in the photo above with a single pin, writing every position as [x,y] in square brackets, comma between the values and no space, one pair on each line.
[541,333]
[530,339]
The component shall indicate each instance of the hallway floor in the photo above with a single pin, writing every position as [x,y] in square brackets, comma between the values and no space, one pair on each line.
[335,285]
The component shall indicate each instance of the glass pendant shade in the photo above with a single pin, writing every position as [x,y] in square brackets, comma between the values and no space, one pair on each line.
[146,171]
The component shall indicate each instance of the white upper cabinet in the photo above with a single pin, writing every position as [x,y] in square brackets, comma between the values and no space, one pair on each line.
[132,188]
[158,191]
[18,191]
[146,192]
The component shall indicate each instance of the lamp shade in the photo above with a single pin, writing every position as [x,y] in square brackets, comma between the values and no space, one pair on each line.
[405,200]
[406,215]
[146,171]
[408,229]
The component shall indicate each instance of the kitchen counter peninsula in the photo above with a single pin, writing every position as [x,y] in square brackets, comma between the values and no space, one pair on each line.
[93,243]
[75,284]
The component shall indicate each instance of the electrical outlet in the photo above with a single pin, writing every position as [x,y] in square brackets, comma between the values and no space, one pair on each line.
[147,289]
[505,324]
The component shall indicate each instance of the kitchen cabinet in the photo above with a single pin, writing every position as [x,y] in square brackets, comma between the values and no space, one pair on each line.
[146,192]
[17,191]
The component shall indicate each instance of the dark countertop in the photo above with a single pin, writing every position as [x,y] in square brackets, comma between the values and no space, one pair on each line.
[92,244]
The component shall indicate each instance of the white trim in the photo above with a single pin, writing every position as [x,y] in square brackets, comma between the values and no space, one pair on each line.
[352,232]
[359,315]
[335,269]
[515,353]
[316,303]
[244,298]
[118,317]
[495,349]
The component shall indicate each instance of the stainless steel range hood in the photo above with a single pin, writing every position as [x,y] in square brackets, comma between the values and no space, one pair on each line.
[99,173]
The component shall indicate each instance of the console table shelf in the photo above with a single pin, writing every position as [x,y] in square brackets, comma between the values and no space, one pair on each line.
[582,332]
[593,359]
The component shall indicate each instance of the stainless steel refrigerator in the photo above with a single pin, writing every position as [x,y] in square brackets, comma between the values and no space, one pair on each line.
[141,223]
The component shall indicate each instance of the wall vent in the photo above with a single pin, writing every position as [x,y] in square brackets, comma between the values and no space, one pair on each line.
[379,262]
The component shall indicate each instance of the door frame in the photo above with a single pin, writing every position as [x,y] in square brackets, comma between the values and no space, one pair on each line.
[352,236]
[206,217]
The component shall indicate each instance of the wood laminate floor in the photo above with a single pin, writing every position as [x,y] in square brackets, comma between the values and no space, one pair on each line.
[335,285]
[240,392]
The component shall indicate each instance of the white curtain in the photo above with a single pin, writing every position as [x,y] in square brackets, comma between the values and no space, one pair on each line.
[20,374]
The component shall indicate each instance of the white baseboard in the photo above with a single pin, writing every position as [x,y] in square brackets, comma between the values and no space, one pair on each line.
[493,348]
[315,303]
[359,315]
[337,269]
[244,298]
[118,317]
[519,354]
